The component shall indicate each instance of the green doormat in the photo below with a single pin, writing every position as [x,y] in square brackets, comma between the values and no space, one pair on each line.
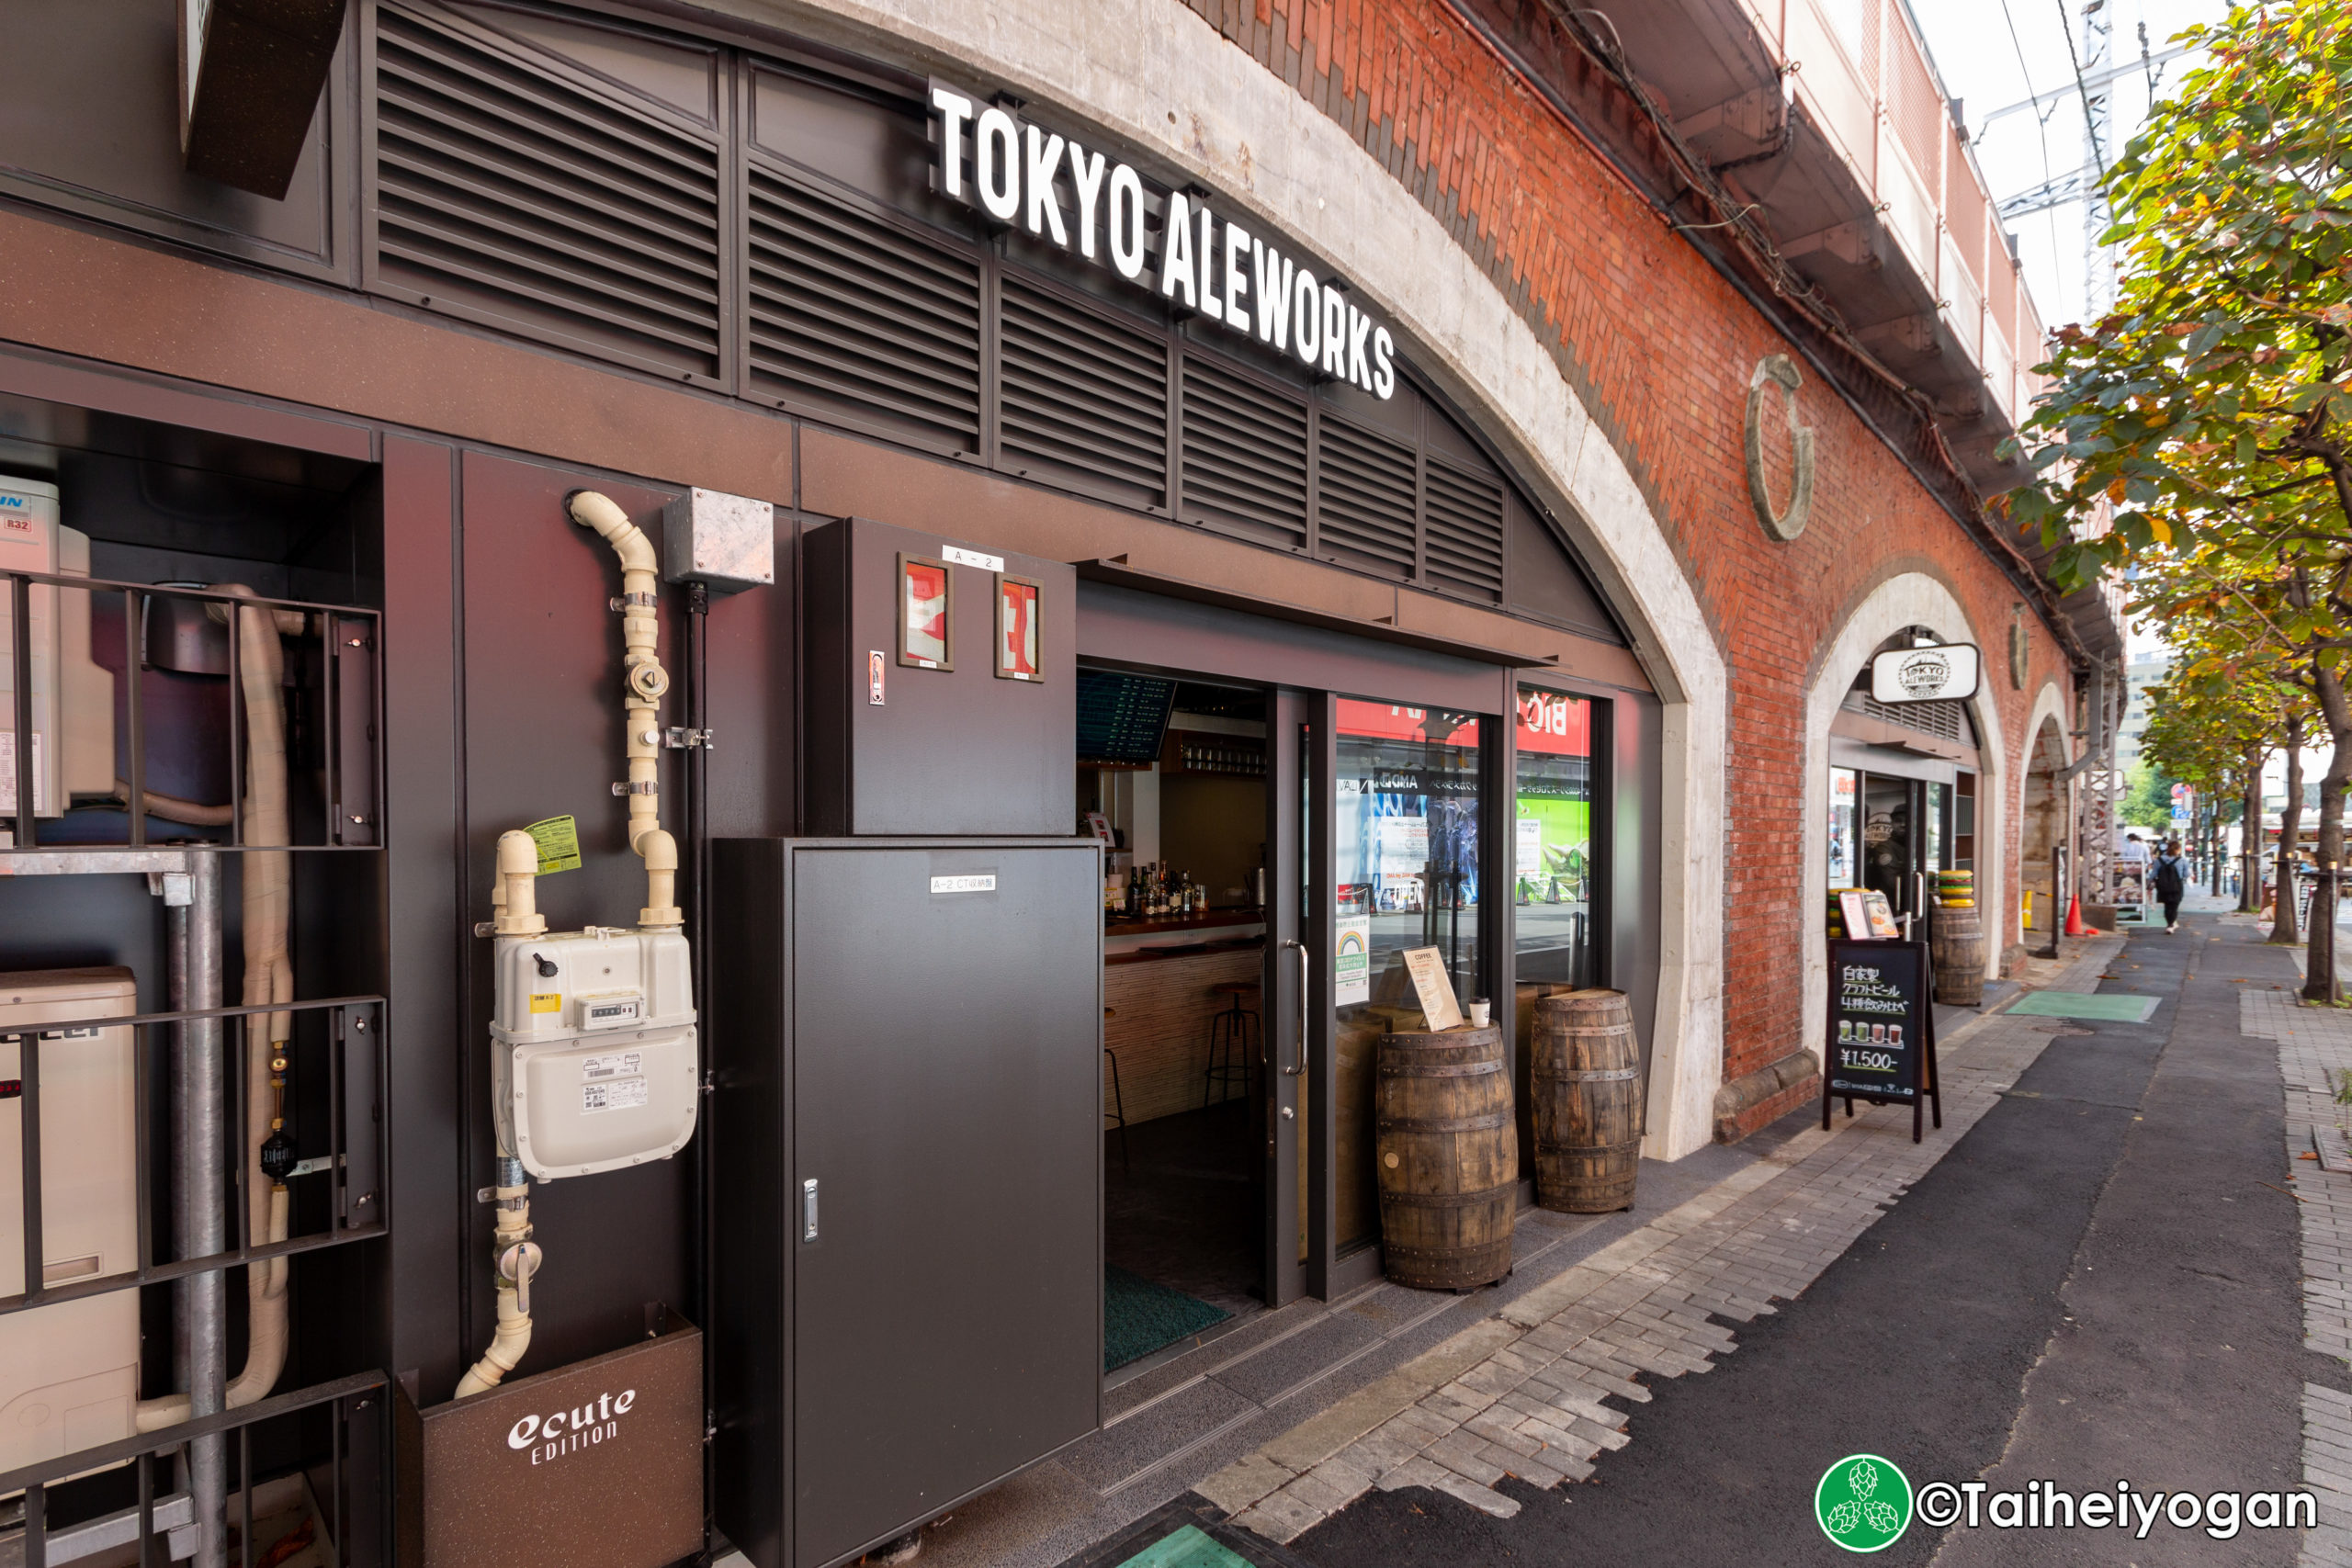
[1190,1547]
[1140,1317]
[2076,1004]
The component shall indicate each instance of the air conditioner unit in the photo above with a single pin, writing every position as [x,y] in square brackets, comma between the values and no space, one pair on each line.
[77,759]
[69,1372]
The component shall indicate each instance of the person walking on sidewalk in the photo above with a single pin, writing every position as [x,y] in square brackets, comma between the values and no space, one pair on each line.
[2171,882]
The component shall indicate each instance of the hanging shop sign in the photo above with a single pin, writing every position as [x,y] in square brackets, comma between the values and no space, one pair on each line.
[1946,672]
[1023,175]
[1881,1045]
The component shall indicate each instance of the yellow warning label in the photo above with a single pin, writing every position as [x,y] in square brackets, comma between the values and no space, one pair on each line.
[559,841]
[547,1001]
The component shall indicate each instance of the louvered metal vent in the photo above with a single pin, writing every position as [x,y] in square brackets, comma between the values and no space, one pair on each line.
[853,317]
[1464,514]
[1363,484]
[507,194]
[1244,457]
[1945,719]
[1081,394]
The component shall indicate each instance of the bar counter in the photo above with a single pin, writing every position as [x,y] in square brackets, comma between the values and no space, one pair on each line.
[1155,980]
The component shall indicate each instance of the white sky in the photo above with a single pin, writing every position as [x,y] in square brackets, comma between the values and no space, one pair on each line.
[1992,53]
[1989,66]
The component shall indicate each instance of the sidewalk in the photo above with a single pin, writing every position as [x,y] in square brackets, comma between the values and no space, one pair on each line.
[1521,1394]
[1283,1392]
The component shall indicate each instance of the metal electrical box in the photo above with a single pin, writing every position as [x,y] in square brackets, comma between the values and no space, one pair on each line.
[906,1041]
[941,684]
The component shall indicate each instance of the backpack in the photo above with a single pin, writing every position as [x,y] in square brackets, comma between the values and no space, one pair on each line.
[2169,884]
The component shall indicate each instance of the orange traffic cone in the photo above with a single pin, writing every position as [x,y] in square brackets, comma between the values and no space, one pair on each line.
[2075,926]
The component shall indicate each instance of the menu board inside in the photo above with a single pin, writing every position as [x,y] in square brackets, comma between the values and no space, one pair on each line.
[1121,718]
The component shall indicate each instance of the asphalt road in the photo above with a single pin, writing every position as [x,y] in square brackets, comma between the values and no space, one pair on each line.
[2095,1284]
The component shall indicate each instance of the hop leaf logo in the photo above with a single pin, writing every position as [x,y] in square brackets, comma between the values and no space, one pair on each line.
[1863,1503]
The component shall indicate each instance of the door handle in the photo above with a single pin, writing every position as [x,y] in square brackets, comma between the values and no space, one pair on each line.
[1298,1041]
[808,1211]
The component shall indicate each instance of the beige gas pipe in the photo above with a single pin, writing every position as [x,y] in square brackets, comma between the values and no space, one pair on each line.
[643,680]
[514,1256]
[514,899]
[266,876]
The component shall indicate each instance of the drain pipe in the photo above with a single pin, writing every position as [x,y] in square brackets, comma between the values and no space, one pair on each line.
[266,880]
[643,680]
[514,1256]
[200,1302]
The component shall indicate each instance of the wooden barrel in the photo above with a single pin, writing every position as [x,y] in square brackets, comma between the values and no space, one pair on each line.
[1446,1155]
[1588,1080]
[1956,938]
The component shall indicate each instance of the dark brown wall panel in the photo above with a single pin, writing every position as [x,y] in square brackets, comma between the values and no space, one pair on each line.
[67,59]
[429,1211]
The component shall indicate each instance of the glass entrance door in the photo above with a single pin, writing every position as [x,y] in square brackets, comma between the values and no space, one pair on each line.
[1402,865]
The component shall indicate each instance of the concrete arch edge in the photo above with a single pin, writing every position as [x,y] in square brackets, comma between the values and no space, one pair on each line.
[1907,599]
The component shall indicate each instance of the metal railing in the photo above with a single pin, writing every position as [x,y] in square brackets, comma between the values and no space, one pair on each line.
[356,1212]
[350,644]
[356,1452]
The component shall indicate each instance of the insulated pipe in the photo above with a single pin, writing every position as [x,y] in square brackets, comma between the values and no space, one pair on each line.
[515,899]
[517,1259]
[266,880]
[643,682]
[199,1301]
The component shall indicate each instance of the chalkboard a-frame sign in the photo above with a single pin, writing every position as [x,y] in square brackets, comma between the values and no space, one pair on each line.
[1881,1045]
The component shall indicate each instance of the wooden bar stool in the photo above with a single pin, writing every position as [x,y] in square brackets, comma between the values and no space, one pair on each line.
[1117,1117]
[1236,1038]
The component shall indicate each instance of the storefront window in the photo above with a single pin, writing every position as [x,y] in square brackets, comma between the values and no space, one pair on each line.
[1405,837]
[1556,867]
[1939,808]
[1845,791]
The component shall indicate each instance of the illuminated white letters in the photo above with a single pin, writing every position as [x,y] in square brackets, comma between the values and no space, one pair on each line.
[1086,175]
[992,158]
[1045,207]
[1274,296]
[1176,250]
[1126,222]
[996,164]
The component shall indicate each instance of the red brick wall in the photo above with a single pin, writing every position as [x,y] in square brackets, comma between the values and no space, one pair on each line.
[1660,349]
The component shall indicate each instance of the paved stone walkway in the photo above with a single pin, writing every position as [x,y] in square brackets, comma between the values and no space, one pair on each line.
[1525,1394]
[2314,1045]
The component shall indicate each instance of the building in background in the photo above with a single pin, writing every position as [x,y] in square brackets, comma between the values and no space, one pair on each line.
[2147,669]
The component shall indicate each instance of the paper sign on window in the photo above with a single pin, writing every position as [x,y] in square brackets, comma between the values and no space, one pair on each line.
[926,608]
[1018,635]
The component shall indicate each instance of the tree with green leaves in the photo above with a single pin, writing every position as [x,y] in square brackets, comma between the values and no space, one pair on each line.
[2202,434]
[2147,797]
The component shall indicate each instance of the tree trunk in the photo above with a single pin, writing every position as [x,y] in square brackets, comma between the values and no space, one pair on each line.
[2319,957]
[2285,927]
[2250,837]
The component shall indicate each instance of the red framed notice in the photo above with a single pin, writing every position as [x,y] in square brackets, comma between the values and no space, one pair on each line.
[926,612]
[1019,636]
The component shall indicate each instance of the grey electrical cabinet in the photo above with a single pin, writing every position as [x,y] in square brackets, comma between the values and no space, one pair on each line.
[906,1038]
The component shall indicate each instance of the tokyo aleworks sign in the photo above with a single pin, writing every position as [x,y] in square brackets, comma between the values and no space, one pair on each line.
[1172,242]
[1946,672]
